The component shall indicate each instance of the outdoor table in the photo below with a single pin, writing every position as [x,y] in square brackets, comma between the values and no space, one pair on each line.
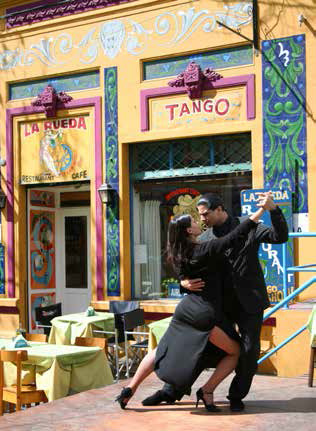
[311,325]
[66,328]
[61,370]
[156,331]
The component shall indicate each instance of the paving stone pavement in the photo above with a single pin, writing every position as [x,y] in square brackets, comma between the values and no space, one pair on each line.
[274,404]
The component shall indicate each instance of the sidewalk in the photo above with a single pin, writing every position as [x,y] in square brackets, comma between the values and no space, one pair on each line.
[274,404]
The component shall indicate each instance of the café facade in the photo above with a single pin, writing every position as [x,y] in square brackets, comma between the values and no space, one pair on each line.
[151,103]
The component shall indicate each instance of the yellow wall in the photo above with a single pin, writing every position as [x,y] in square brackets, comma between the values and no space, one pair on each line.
[292,359]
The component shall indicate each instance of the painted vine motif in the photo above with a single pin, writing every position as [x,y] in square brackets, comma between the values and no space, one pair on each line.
[284,117]
[112,37]
[111,168]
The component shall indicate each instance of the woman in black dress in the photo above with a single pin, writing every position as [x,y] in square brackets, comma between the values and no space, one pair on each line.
[198,318]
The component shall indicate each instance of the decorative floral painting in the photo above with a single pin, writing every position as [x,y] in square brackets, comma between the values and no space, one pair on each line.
[42,249]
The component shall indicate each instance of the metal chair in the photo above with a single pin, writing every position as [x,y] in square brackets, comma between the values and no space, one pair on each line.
[133,320]
[44,315]
[18,394]
[115,348]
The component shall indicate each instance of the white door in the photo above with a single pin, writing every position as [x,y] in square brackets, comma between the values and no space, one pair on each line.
[73,259]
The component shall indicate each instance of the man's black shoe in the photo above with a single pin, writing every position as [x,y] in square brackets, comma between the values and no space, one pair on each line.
[236,405]
[158,398]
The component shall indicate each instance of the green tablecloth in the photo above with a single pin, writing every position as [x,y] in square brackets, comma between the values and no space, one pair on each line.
[61,370]
[156,331]
[311,325]
[66,328]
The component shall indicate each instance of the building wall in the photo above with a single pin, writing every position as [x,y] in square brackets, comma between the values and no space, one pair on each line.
[118,39]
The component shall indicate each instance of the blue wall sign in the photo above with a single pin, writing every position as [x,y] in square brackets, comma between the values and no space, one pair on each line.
[270,255]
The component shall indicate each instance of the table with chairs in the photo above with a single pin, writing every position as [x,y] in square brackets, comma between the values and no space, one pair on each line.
[126,343]
[58,370]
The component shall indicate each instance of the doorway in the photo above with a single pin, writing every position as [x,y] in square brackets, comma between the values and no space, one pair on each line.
[58,248]
[73,263]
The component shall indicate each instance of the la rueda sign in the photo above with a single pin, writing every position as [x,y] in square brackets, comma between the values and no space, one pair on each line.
[181,111]
[55,150]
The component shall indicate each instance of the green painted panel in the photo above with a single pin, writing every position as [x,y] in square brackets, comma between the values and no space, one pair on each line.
[81,81]
[219,59]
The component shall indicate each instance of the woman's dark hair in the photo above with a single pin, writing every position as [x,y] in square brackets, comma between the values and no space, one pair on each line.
[179,246]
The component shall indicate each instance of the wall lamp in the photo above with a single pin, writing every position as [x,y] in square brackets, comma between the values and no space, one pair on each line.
[106,193]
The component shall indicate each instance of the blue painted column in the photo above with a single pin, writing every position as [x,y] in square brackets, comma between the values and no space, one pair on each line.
[112,178]
[284,117]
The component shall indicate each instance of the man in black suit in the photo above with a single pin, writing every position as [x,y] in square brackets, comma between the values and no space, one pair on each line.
[245,294]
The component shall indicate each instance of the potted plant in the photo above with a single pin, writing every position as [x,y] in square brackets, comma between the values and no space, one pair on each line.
[171,288]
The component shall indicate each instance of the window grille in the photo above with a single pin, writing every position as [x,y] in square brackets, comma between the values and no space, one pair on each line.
[192,156]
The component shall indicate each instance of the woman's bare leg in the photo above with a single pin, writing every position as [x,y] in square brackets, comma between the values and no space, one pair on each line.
[145,368]
[226,365]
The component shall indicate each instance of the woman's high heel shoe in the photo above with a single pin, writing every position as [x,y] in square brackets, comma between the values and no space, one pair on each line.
[209,407]
[125,393]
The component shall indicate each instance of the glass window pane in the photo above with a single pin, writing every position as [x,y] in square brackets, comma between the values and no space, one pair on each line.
[76,252]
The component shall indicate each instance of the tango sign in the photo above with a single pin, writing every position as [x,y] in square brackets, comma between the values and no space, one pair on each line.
[183,112]
[55,150]
[219,107]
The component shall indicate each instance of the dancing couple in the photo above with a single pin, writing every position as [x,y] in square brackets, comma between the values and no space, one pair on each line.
[225,286]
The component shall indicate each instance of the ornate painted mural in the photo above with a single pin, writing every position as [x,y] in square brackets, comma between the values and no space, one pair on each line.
[42,250]
[112,178]
[284,117]
[112,37]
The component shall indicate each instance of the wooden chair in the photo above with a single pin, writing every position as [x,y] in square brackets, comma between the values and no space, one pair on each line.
[312,363]
[40,338]
[92,342]
[18,394]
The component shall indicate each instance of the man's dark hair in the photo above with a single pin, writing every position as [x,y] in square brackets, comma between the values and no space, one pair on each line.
[211,201]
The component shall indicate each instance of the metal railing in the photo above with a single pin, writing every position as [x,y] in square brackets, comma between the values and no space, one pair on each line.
[288,297]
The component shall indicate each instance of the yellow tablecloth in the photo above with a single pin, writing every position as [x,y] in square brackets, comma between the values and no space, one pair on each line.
[311,325]
[61,370]
[156,331]
[66,328]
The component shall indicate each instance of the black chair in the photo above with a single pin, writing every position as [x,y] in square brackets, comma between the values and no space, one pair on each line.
[134,350]
[115,347]
[44,315]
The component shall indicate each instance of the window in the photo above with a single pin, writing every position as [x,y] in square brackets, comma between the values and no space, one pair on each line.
[173,183]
